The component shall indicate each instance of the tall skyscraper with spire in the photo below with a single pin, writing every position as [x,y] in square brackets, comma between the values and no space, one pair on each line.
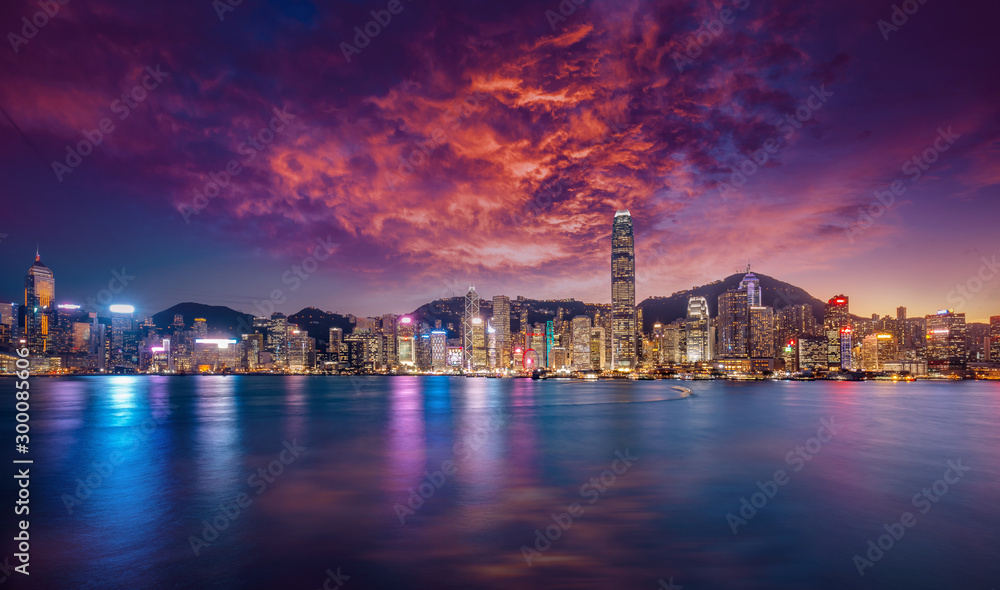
[471,323]
[751,284]
[39,300]
[623,319]
[698,329]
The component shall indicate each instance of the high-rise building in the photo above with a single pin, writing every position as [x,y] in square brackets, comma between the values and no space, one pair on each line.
[469,320]
[624,329]
[277,338]
[597,358]
[122,338]
[837,316]
[39,296]
[751,284]
[334,346]
[674,345]
[812,352]
[795,320]
[501,323]
[837,313]
[946,346]
[733,324]
[876,350]
[697,327]
[581,343]
[761,320]
[439,349]
[995,339]
[406,346]
[846,348]
[480,360]
[9,330]
[253,346]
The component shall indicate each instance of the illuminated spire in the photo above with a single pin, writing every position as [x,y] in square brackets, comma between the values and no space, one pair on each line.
[37,255]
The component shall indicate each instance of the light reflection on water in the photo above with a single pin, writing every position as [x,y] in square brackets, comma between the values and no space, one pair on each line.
[522,450]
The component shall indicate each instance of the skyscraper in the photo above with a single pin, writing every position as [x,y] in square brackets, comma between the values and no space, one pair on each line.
[697,327]
[39,293]
[469,319]
[946,347]
[439,346]
[501,323]
[836,317]
[733,324]
[581,344]
[623,319]
[876,350]
[122,338]
[761,320]
[751,284]
[995,339]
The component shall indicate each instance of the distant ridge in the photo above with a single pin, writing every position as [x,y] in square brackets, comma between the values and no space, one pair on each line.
[774,293]
[218,317]
[317,323]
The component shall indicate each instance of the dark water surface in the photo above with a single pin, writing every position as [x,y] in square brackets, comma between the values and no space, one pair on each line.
[177,452]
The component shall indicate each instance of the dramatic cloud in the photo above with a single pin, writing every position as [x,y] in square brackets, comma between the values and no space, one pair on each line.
[458,141]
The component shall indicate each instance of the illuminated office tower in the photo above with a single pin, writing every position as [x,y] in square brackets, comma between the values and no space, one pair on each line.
[501,323]
[995,339]
[697,330]
[405,343]
[597,358]
[946,348]
[121,336]
[200,328]
[623,317]
[479,357]
[301,349]
[836,316]
[9,330]
[253,345]
[277,338]
[439,349]
[812,352]
[492,354]
[334,346]
[733,324]
[846,348]
[793,321]
[876,350]
[761,321]
[674,347]
[468,332]
[388,330]
[751,284]
[581,344]
[837,313]
[39,293]
[657,344]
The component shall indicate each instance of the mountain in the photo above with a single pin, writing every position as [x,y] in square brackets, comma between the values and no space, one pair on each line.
[317,323]
[774,293]
[452,309]
[218,317]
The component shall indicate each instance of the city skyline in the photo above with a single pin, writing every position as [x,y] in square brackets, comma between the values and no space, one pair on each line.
[518,151]
[746,337]
[120,278]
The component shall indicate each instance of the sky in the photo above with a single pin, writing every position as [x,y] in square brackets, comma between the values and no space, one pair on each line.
[369,157]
